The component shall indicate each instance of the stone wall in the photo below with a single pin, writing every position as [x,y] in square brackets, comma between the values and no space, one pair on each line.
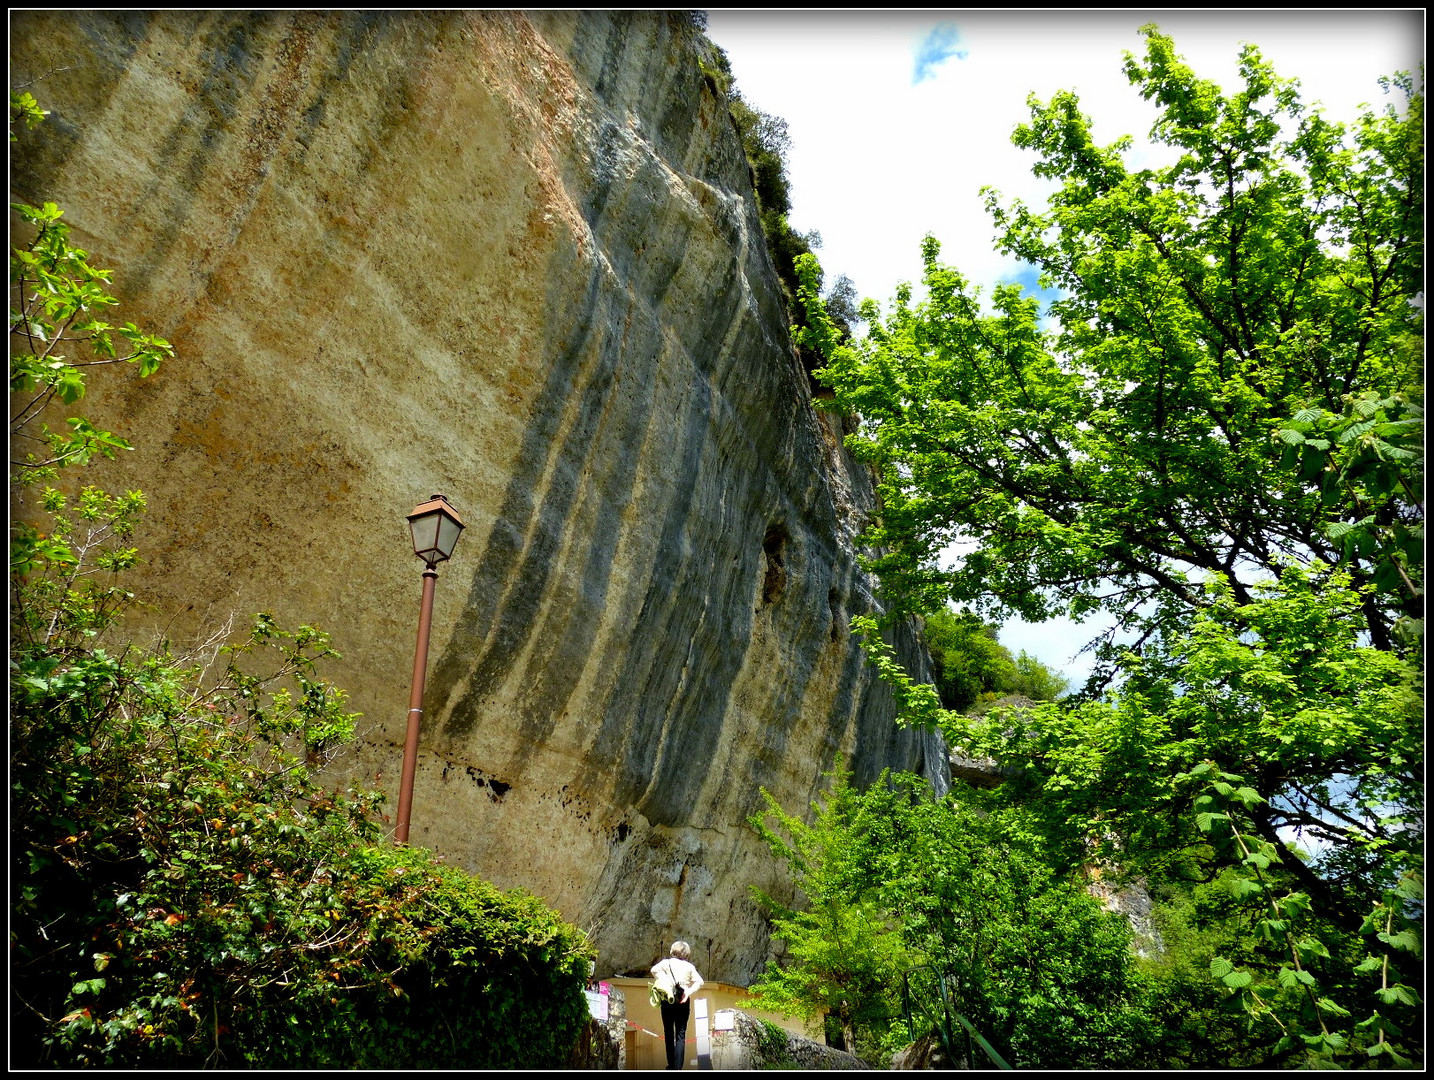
[514,258]
[751,1044]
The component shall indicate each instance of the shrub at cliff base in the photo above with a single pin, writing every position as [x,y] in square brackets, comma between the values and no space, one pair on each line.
[186,894]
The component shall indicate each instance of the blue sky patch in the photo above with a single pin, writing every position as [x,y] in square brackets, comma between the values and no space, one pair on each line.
[1029,279]
[935,49]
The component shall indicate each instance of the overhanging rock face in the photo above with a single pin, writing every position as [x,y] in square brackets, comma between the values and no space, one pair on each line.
[516,259]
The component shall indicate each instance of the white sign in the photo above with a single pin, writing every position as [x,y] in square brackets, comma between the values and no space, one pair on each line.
[704,1045]
[724,1020]
[597,1004]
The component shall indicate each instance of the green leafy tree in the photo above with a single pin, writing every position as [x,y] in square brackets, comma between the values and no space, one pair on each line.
[1233,383]
[1219,443]
[1262,723]
[1196,922]
[969,660]
[844,959]
[899,884]
[1037,681]
[973,666]
[1036,965]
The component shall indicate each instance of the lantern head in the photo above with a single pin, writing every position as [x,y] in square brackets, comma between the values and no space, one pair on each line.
[435,527]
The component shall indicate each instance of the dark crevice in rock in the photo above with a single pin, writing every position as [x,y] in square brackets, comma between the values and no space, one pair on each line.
[774,548]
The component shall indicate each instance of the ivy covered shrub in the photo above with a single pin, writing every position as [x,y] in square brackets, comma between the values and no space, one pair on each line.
[185,891]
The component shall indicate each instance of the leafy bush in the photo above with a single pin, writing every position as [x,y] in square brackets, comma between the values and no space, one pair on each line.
[188,893]
[896,882]
[844,957]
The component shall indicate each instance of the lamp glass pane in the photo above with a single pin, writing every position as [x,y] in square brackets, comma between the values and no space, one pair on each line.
[448,531]
[425,533]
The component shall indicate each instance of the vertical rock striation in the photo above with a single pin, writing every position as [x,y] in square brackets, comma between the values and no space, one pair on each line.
[514,258]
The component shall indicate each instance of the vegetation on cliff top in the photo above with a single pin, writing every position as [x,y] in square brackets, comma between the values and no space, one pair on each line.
[765,142]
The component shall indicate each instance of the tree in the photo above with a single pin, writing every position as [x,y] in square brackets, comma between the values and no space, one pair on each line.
[1233,386]
[968,659]
[1219,443]
[1037,681]
[843,956]
[973,666]
[898,883]
[1039,969]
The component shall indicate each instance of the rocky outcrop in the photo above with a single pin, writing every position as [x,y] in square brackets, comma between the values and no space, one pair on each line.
[1131,900]
[925,1054]
[750,1044]
[514,258]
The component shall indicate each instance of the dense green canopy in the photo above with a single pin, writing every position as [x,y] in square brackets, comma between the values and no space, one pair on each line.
[1215,435]
[1232,385]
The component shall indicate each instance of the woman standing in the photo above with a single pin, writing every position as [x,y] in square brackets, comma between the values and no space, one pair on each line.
[678,972]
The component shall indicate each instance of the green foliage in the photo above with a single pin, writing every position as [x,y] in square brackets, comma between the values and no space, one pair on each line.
[1326,735]
[1226,408]
[57,333]
[65,587]
[773,1046]
[1036,681]
[1041,971]
[1311,997]
[766,143]
[24,109]
[969,661]
[843,958]
[1366,463]
[1327,731]
[189,893]
[1034,963]
[57,298]
[972,666]
[1188,1008]
[1219,320]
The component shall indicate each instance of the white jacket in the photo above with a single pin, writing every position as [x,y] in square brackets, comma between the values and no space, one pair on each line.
[680,973]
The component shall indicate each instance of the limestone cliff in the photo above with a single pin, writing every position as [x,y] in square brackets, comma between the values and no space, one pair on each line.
[513,258]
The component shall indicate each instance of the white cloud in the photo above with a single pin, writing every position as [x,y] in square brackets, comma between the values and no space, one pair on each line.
[877,161]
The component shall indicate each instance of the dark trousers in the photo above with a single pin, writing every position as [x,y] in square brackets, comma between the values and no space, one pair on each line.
[674,1031]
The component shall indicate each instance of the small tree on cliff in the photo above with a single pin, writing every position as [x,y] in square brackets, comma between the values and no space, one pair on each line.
[1221,445]
[972,665]
[58,332]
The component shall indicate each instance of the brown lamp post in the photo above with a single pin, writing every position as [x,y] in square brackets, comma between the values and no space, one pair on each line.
[435,527]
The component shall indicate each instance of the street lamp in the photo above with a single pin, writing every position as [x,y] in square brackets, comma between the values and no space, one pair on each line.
[435,527]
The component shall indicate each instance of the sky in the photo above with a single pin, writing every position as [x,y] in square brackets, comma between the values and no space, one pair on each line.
[898,119]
